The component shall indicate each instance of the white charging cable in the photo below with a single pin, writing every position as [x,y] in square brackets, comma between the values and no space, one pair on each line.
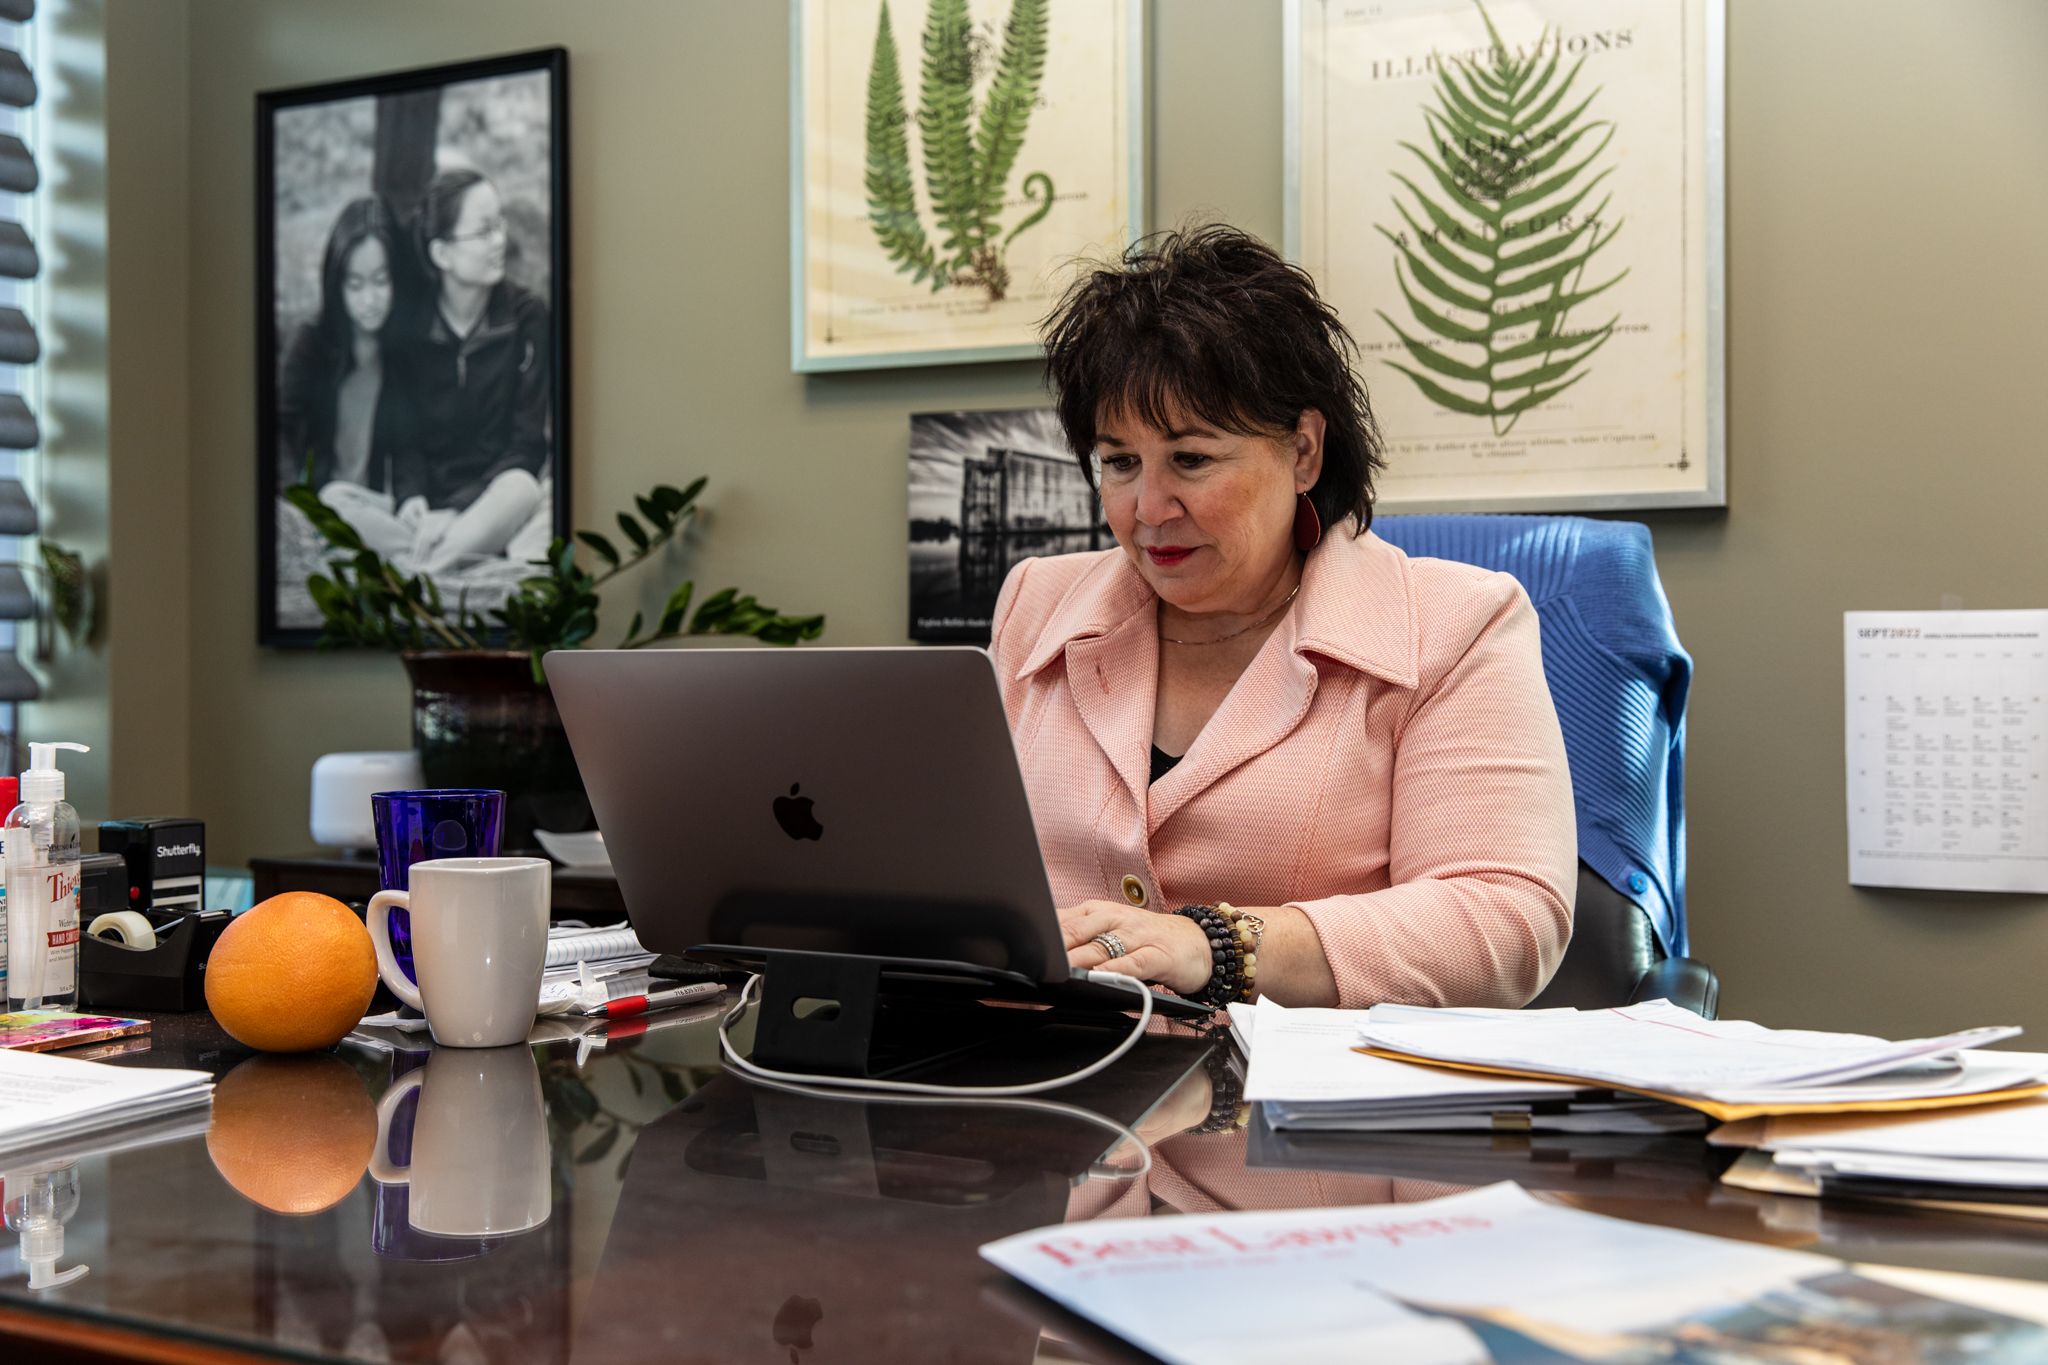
[751,991]
[1073,1111]
[916,1092]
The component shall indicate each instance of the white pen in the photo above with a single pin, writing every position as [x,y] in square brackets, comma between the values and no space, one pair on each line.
[626,1007]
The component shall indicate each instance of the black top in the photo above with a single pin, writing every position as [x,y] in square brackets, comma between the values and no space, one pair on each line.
[1162,762]
[482,403]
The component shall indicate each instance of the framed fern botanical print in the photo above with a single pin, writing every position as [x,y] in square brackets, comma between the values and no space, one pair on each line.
[952,164]
[1516,206]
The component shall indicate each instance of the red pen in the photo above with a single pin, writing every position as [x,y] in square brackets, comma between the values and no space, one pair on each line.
[631,1006]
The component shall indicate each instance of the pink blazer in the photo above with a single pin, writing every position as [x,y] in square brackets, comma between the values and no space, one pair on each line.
[1390,762]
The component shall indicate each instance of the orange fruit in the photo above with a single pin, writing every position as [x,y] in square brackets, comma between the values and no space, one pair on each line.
[293,1134]
[293,974]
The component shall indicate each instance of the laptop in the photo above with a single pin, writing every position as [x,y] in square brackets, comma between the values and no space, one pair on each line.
[760,803]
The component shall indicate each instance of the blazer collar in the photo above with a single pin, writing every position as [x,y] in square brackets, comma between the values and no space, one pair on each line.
[1108,596]
[1104,631]
[1354,607]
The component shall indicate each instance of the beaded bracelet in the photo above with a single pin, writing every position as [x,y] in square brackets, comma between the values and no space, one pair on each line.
[1233,952]
[1227,1108]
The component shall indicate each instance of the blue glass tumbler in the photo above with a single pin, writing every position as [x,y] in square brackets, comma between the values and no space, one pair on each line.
[413,826]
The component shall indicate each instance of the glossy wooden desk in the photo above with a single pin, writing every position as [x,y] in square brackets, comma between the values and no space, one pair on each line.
[687,1217]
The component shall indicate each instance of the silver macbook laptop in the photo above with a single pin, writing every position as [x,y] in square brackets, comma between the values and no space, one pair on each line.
[852,801]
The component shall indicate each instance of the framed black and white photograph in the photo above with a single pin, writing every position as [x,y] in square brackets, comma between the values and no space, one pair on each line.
[412,366]
[986,490]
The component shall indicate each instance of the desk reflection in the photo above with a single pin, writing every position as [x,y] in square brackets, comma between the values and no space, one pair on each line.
[453,1251]
[690,1216]
[778,1225]
[479,1160]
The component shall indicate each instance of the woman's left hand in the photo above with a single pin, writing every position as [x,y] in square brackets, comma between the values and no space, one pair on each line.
[1168,949]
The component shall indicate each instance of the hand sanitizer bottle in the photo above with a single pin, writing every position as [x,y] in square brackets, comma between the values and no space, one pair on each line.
[42,856]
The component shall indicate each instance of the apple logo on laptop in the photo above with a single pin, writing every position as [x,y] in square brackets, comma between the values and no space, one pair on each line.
[793,813]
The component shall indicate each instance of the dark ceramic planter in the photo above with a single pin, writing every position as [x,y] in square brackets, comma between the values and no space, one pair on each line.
[480,720]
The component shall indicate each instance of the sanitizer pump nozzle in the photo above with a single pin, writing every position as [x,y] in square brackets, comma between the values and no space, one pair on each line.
[44,780]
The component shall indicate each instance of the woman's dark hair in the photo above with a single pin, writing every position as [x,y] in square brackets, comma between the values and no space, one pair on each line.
[440,209]
[358,221]
[1212,323]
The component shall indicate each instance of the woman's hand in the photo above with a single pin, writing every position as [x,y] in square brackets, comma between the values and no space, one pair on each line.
[1168,949]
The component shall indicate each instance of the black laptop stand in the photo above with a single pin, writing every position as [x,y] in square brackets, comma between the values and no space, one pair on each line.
[846,1014]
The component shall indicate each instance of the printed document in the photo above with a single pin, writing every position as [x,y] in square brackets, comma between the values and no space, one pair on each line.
[1310,1054]
[2015,1129]
[1946,749]
[1660,1047]
[2003,1145]
[1494,1275]
[45,1098]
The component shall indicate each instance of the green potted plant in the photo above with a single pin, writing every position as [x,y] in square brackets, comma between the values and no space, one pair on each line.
[482,713]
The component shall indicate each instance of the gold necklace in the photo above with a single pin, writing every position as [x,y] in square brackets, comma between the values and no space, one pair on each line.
[1242,629]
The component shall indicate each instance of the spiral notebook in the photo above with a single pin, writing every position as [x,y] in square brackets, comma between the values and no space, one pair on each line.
[567,946]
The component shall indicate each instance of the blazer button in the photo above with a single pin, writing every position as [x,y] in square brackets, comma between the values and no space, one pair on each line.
[1134,890]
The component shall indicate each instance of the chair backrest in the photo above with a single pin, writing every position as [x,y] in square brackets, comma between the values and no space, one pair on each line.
[1619,679]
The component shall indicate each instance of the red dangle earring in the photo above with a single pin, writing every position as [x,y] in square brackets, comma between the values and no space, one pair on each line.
[1308,527]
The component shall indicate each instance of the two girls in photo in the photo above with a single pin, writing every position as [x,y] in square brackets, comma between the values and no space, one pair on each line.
[420,396]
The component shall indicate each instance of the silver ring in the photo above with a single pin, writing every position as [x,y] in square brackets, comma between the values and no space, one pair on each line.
[1111,944]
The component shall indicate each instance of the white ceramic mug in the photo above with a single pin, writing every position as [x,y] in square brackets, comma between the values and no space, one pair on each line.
[479,944]
[479,1163]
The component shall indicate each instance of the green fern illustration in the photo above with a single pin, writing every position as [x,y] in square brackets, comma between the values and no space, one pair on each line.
[1493,276]
[967,159]
[892,199]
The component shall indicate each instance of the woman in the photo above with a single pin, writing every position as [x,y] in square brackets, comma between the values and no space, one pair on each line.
[1267,752]
[481,378]
[335,411]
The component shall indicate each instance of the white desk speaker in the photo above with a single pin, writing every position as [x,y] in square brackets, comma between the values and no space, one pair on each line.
[342,784]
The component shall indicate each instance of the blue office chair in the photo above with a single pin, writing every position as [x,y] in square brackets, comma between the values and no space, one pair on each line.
[1619,679]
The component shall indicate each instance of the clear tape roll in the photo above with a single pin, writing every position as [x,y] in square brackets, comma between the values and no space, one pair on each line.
[123,926]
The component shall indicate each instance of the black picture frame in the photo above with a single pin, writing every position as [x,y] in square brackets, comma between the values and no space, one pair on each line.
[419,446]
[987,489]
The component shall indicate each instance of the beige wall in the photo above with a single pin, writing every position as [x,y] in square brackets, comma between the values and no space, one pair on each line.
[150,599]
[1886,186]
[1887,170]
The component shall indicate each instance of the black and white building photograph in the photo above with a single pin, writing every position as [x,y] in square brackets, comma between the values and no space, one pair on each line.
[986,490]
[412,244]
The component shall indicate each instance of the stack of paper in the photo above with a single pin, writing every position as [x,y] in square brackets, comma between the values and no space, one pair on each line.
[46,1099]
[1987,1158]
[1309,1076]
[1727,1068]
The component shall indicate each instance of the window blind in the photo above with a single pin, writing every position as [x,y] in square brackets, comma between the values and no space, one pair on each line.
[20,348]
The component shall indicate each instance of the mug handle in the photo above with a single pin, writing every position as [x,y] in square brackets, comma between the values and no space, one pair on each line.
[381,1169]
[378,918]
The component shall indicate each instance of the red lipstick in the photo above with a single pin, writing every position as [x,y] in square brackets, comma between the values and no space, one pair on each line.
[1166,556]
